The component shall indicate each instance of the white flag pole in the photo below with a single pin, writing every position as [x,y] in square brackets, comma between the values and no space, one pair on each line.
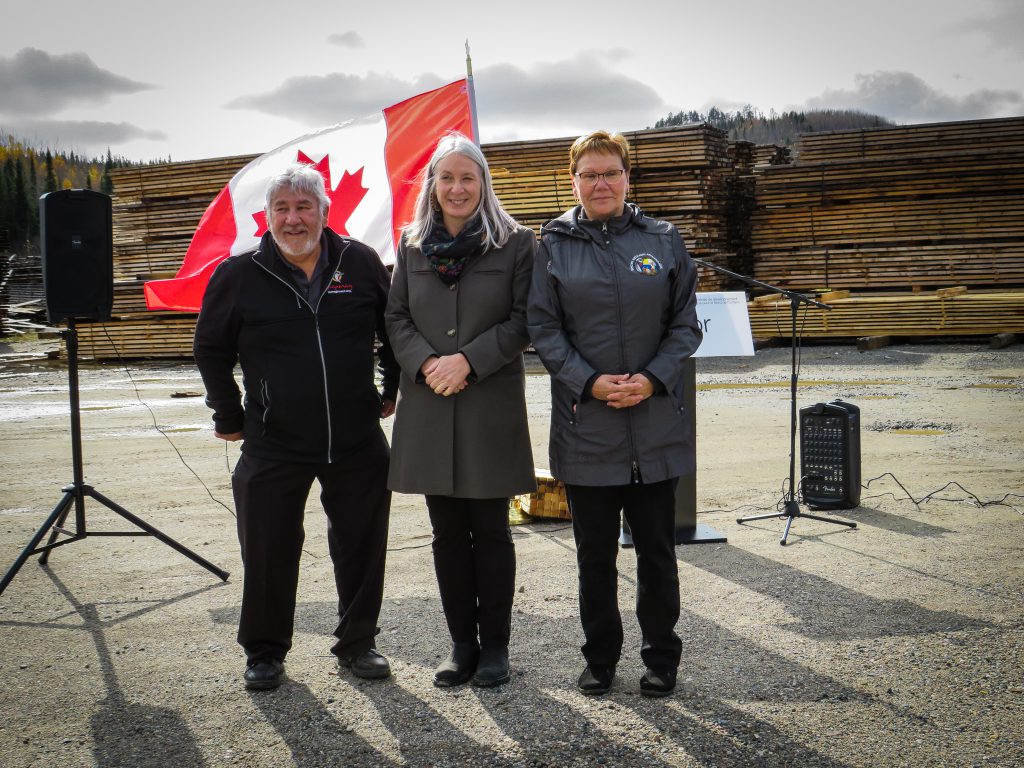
[472,95]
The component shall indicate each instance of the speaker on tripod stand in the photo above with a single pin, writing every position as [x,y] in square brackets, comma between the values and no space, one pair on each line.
[78,279]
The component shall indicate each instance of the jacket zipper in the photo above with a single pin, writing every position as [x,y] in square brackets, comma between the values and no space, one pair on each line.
[319,340]
[635,468]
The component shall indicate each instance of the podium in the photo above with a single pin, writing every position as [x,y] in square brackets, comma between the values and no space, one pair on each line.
[723,318]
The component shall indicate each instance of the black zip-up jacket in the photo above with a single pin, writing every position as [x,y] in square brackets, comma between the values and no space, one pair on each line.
[307,367]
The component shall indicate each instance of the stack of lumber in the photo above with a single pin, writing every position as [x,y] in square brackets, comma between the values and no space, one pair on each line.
[945,312]
[909,208]
[999,135]
[547,501]
[21,293]
[772,154]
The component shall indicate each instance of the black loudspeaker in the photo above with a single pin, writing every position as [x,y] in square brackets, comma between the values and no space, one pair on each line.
[830,455]
[76,230]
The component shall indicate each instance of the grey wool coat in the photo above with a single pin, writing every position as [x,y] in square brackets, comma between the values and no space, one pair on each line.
[474,444]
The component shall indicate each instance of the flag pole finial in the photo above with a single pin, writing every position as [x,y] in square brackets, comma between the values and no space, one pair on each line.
[469,61]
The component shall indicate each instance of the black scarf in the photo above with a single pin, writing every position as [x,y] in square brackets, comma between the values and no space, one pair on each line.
[448,255]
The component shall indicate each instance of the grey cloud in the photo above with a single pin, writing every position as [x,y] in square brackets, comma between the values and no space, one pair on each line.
[905,97]
[581,90]
[85,136]
[348,39]
[1004,27]
[327,99]
[34,82]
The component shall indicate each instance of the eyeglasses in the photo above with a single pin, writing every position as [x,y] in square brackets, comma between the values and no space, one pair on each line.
[590,178]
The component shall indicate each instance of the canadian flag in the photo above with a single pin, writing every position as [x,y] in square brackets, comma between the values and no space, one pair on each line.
[370,167]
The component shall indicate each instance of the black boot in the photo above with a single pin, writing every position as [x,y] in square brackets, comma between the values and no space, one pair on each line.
[493,667]
[459,667]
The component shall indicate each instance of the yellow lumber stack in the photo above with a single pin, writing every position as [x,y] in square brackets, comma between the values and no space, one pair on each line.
[945,312]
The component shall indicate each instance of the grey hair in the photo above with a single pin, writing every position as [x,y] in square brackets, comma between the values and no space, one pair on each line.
[496,223]
[299,178]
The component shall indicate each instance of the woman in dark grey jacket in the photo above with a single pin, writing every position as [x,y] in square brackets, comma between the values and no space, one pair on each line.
[612,315]
[456,318]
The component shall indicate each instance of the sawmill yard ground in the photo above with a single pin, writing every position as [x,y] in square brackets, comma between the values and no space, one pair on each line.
[899,643]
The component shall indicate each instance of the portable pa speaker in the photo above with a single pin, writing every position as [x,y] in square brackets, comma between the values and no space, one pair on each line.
[76,230]
[830,455]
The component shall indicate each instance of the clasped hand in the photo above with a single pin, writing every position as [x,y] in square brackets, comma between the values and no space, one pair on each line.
[446,375]
[622,390]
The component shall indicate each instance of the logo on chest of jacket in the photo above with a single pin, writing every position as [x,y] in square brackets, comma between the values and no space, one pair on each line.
[644,264]
[338,284]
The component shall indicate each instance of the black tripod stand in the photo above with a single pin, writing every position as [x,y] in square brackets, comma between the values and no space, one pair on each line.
[78,490]
[792,506]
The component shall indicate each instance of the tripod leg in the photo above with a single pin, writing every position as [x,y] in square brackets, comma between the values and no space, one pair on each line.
[785,535]
[75,493]
[829,520]
[60,511]
[157,534]
[742,520]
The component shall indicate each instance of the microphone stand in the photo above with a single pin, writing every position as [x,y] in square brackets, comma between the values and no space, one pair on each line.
[792,506]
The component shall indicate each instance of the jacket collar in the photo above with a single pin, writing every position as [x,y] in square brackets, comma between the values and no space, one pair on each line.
[574,223]
[266,254]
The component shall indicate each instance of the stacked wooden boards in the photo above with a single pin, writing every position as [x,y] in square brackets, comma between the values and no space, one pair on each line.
[945,312]
[916,207]
[680,174]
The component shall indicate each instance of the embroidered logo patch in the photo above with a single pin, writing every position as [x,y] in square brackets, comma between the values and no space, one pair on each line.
[645,264]
[337,283]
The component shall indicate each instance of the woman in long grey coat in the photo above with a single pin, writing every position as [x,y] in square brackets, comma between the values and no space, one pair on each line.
[456,319]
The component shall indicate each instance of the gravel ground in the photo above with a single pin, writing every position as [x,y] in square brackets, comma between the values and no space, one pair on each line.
[899,643]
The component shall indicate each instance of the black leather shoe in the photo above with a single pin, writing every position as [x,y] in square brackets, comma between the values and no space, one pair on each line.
[459,667]
[263,674]
[369,665]
[596,680]
[658,682]
[492,668]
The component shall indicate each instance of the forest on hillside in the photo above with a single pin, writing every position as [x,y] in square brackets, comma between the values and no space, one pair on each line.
[782,129]
[26,173]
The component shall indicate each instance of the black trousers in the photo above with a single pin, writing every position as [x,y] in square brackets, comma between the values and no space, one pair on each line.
[475,562]
[650,511]
[270,497]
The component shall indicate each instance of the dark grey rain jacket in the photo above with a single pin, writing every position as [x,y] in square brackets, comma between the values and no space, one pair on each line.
[617,297]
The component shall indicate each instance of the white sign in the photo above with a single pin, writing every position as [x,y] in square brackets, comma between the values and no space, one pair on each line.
[723,318]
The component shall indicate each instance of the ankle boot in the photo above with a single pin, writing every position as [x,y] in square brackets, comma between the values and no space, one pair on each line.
[493,667]
[459,666]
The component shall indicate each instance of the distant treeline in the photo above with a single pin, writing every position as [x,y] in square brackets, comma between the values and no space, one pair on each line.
[26,173]
[749,124]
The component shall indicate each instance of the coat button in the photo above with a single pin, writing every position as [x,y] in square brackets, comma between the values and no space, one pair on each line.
[451,331]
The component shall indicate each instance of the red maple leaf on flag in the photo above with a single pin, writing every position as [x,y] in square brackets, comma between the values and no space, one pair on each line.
[344,199]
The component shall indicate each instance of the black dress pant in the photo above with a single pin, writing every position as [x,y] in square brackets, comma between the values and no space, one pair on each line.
[475,562]
[649,509]
[270,497]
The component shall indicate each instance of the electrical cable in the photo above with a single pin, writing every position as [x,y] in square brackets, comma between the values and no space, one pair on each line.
[156,426]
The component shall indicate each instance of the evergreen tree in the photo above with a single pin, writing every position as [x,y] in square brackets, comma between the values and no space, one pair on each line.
[21,231]
[106,183]
[51,177]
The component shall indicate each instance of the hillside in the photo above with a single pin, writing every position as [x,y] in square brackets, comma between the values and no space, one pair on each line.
[748,124]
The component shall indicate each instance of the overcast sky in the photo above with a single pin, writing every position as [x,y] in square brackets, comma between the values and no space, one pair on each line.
[208,78]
